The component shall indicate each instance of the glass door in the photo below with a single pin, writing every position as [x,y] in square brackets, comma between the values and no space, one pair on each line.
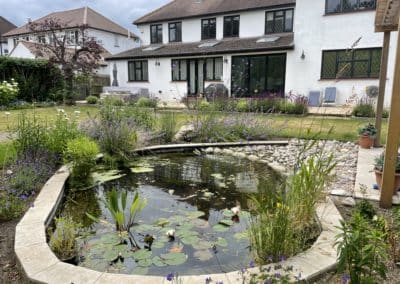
[196,77]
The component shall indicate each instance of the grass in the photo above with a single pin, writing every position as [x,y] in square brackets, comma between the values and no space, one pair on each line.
[343,129]
[7,153]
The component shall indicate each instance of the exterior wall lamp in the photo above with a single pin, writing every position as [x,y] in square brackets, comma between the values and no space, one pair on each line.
[303,55]
[157,63]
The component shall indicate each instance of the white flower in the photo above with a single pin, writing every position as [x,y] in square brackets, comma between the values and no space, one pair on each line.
[9,172]
[375,218]
[170,233]
[8,113]
[67,119]
[77,112]
[236,210]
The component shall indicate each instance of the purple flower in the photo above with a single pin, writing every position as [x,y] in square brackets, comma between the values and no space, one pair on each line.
[170,276]
[268,281]
[345,279]
[270,258]
[278,275]
[251,264]
[208,280]
[282,258]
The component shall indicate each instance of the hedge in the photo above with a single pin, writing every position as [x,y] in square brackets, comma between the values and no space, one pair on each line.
[37,79]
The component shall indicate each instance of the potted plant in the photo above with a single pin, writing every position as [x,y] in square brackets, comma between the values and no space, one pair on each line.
[367,136]
[379,163]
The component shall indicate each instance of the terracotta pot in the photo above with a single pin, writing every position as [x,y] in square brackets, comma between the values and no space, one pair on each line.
[396,188]
[365,141]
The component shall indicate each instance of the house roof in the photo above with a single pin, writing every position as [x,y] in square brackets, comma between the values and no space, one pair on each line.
[33,47]
[226,46]
[5,26]
[180,9]
[75,18]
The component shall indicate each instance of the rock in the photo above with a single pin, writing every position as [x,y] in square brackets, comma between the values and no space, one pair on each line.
[228,152]
[239,155]
[217,151]
[253,158]
[340,192]
[349,201]
[278,168]
[183,132]
[209,150]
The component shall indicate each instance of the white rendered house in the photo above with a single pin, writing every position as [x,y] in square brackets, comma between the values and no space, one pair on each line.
[111,36]
[5,26]
[255,48]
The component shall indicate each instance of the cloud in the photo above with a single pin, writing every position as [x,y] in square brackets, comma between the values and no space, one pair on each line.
[123,12]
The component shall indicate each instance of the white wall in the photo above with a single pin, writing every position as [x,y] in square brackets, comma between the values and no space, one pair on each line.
[315,32]
[22,52]
[4,47]
[107,40]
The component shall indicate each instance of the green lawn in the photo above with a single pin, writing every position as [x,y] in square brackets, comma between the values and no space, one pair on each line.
[7,153]
[344,129]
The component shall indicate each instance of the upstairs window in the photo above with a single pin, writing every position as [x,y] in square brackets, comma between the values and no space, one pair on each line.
[156,33]
[175,32]
[342,6]
[231,26]
[138,71]
[208,28]
[350,64]
[41,39]
[279,21]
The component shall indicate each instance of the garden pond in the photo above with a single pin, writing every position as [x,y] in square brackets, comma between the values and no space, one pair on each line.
[192,195]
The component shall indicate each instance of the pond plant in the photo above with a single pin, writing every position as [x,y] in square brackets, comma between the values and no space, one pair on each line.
[63,240]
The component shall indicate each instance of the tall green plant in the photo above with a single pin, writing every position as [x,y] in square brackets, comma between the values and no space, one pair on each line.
[63,239]
[168,126]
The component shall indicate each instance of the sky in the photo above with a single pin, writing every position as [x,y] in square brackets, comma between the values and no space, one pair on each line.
[123,12]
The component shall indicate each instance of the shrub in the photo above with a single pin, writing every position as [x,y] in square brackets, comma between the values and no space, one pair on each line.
[204,105]
[364,110]
[60,133]
[143,118]
[36,78]
[168,126]
[63,239]
[146,102]
[92,100]
[82,153]
[362,250]
[380,161]
[113,101]
[367,130]
[385,113]
[365,209]
[242,105]
[8,92]
[11,207]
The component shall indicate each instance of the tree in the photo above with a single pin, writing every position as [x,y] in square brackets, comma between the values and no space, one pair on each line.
[69,48]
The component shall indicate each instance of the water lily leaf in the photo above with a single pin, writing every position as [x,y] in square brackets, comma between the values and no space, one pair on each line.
[158,244]
[200,223]
[141,170]
[144,228]
[227,213]
[241,235]
[174,258]
[202,245]
[186,226]
[220,228]
[111,238]
[183,233]
[226,222]
[222,242]
[145,262]
[142,254]
[95,264]
[161,222]
[127,254]
[140,270]
[103,177]
[203,255]
[157,261]
[190,240]
[195,214]
[111,255]
[244,214]
[177,219]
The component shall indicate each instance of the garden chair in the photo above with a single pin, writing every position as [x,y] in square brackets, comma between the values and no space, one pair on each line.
[330,97]
[314,98]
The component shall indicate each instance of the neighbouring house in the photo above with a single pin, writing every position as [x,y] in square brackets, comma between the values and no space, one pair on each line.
[111,36]
[256,48]
[5,26]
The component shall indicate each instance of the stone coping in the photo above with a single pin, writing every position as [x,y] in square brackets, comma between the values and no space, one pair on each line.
[41,265]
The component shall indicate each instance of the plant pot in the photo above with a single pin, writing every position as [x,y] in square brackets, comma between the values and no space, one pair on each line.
[379,177]
[366,142]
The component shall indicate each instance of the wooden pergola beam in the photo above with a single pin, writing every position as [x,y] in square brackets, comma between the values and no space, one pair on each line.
[393,136]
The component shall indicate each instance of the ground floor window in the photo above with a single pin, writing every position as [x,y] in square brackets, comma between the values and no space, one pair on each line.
[138,71]
[357,63]
[258,75]
[214,69]
[179,70]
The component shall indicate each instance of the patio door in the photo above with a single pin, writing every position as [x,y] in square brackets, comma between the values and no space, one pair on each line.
[196,76]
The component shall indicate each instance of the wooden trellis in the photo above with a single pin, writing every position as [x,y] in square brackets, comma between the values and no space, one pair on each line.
[387,20]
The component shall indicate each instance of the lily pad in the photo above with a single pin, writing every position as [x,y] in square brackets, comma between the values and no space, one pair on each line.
[202,245]
[141,170]
[222,242]
[144,228]
[203,255]
[95,264]
[190,240]
[174,258]
[158,244]
[227,213]
[111,255]
[112,239]
[241,235]
[161,222]
[140,270]
[195,214]
[244,214]
[226,222]
[177,219]
[183,233]
[157,261]
[220,228]
[145,262]
[103,177]
[141,254]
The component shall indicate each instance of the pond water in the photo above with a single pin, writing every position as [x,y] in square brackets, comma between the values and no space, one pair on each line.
[191,194]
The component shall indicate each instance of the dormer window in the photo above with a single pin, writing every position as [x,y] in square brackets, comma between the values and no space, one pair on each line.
[175,32]
[208,28]
[280,21]
[343,6]
[231,26]
[156,33]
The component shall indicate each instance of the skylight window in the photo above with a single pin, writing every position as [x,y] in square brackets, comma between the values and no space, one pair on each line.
[209,44]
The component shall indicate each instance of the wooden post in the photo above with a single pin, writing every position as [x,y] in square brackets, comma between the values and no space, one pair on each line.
[382,88]
[392,142]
